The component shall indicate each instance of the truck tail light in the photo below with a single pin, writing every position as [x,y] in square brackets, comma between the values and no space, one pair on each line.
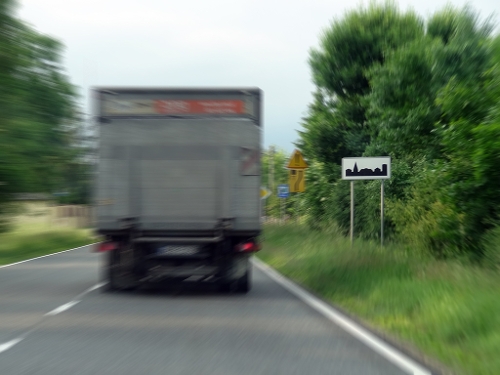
[248,247]
[106,246]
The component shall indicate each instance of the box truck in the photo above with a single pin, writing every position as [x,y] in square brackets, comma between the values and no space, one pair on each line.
[177,189]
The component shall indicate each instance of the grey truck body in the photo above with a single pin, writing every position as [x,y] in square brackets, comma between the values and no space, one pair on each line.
[178,166]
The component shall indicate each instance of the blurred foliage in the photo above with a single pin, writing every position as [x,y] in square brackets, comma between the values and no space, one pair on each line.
[274,173]
[426,93]
[40,127]
[33,238]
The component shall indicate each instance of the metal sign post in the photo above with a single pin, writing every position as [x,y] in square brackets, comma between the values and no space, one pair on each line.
[382,213]
[369,168]
[297,208]
[282,212]
[352,212]
[283,192]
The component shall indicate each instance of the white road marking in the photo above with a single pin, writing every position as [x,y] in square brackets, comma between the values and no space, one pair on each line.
[62,308]
[92,288]
[9,344]
[96,286]
[44,256]
[399,359]
[75,301]
[6,346]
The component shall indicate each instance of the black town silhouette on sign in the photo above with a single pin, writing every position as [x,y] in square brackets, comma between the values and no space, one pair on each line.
[366,172]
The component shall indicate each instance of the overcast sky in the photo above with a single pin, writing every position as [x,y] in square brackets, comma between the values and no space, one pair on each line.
[263,43]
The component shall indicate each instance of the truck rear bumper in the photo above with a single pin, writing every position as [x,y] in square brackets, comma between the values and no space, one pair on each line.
[178,240]
[150,259]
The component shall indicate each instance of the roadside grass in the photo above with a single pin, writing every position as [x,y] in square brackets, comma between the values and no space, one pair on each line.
[447,309]
[31,236]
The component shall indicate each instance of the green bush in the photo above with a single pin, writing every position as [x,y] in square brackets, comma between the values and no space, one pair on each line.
[20,245]
[424,220]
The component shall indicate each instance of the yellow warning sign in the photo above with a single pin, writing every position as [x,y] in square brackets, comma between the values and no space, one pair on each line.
[264,192]
[297,180]
[297,161]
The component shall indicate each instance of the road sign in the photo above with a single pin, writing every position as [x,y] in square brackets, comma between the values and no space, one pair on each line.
[264,192]
[297,161]
[297,180]
[283,191]
[371,168]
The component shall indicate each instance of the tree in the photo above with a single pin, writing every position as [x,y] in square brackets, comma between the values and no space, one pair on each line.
[38,118]
[337,124]
[402,112]
[426,96]
[10,57]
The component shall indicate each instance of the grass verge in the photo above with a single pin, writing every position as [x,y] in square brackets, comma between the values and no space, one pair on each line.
[30,241]
[449,310]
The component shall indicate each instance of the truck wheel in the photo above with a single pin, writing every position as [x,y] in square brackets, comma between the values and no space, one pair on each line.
[117,280]
[244,283]
[240,285]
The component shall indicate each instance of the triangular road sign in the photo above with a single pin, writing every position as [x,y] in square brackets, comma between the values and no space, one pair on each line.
[297,161]
[264,192]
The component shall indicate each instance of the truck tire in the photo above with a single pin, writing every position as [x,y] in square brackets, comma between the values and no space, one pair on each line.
[244,283]
[117,279]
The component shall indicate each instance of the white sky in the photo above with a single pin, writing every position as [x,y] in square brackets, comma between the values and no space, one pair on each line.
[263,43]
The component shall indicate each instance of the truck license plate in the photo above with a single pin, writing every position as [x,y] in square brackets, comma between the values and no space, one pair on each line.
[179,250]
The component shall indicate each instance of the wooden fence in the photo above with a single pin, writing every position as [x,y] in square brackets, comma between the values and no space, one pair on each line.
[72,215]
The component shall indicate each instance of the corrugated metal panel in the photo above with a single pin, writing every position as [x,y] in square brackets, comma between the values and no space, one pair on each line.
[177,173]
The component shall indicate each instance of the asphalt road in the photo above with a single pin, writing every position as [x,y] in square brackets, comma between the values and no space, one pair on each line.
[268,331]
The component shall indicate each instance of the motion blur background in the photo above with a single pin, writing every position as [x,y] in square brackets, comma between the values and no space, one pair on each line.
[418,81]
